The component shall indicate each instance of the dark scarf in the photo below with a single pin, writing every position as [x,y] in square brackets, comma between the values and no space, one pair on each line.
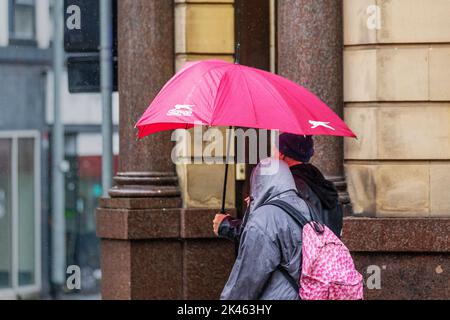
[323,188]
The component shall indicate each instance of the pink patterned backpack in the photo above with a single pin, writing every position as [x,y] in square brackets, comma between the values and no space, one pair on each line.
[328,271]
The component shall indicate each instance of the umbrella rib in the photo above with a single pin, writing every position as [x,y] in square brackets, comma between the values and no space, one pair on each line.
[300,102]
[305,109]
[250,94]
[277,99]
[202,78]
[219,87]
[178,76]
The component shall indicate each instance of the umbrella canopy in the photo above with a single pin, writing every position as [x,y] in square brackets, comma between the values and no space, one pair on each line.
[219,93]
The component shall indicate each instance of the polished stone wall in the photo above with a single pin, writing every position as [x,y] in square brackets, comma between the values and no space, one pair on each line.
[401,259]
[152,248]
[310,53]
[310,49]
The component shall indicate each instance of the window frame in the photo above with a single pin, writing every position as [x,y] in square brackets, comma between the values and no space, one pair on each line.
[13,39]
[17,291]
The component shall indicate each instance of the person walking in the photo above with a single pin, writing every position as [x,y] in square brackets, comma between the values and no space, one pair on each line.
[271,242]
[296,151]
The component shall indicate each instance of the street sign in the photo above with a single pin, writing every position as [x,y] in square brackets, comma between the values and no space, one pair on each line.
[81,25]
[82,44]
[84,74]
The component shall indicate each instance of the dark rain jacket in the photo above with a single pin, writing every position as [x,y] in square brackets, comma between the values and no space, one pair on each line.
[270,238]
[321,194]
[311,186]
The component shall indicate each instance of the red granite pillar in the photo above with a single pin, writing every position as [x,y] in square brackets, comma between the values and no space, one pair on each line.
[151,247]
[310,51]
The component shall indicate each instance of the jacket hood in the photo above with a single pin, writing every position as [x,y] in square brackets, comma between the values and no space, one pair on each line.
[270,179]
[324,189]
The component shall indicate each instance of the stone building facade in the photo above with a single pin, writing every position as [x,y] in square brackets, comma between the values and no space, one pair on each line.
[396,94]
[396,97]
[381,64]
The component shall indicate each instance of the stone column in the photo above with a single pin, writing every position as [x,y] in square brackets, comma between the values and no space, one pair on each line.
[146,60]
[310,50]
[152,248]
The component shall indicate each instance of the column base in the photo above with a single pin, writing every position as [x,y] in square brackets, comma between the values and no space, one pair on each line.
[344,198]
[145,185]
[152,254]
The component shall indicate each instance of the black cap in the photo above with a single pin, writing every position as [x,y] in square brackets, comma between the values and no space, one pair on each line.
[299,148]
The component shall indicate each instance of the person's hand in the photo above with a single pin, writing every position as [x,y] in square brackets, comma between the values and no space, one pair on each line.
[217,221]
[247,201]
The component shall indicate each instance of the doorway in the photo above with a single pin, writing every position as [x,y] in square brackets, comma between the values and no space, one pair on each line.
[20,218]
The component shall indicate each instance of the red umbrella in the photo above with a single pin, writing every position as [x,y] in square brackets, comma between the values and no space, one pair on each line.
[219,93]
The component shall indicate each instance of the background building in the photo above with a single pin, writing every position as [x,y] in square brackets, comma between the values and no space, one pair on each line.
[26,106]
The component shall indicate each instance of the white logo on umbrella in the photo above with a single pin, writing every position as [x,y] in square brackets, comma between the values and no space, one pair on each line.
[316,124]
[181,110]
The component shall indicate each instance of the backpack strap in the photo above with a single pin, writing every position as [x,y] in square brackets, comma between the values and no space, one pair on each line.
[301,221]
[289,278]
[290,210]
[312,209]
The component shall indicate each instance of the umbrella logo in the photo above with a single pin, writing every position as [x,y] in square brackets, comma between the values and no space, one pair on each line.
[316,124]
[181,110]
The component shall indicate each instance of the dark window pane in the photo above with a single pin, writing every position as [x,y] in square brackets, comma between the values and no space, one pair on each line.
[23,20]
[26,175]
[5,214]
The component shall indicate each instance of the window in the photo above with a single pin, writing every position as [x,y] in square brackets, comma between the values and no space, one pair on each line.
[20,238]
[22,18]
[5,213]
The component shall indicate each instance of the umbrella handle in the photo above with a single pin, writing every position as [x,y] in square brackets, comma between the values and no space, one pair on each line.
[224,193]
[237,60]
[225,180]
[237,56]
